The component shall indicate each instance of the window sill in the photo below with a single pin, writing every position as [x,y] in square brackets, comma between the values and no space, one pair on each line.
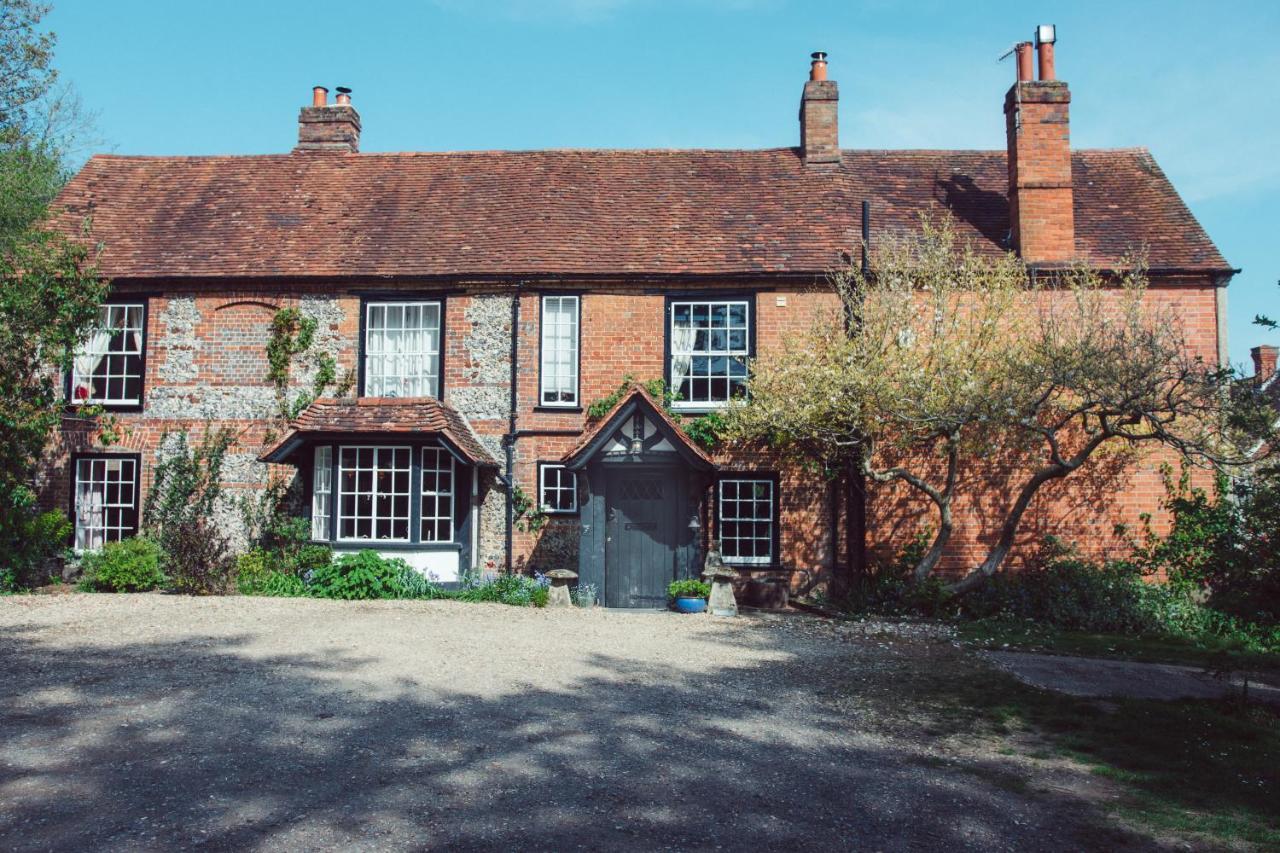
[376,545]
[569,410]
[75,408]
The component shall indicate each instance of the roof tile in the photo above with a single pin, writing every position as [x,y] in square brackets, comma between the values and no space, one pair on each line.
[605,213]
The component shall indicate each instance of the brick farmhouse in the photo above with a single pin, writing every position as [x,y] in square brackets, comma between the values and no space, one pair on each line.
[482,301]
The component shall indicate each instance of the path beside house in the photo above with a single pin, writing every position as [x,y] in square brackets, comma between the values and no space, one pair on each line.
[1098,677]
[155,722]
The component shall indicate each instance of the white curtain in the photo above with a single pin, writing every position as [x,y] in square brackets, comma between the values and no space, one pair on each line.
[89,512]
[681,358]
[87,361]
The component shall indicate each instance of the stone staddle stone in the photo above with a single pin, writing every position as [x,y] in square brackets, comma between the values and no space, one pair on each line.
[722,601]
[558,592]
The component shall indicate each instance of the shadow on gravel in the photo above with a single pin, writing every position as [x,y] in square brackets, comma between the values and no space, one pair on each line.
[197,744]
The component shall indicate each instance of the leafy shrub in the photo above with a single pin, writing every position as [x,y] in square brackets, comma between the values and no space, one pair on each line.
[513,589]
[257,573]
[184,495]
[1078,595]
[1225,542]
[889,588]
[688,588]
[363,575]
[37,538]
[131,565]
[201,562]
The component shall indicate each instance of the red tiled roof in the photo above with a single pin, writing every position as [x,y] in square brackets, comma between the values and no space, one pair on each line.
[491,214]
[383,416]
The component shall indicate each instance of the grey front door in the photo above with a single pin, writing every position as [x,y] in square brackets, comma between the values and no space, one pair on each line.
[640,544]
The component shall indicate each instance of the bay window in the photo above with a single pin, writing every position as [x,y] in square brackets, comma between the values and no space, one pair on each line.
[437,495]
[398,495]
[373,493]
[107,369]
[321,491]
[559,375]
[402,349]
[709,343]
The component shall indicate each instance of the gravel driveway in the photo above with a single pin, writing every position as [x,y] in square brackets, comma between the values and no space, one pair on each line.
[135,722]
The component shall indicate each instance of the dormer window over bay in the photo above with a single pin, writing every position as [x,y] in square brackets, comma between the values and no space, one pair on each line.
[401,349]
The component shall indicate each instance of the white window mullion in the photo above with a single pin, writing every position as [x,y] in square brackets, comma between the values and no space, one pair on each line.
[560,342]
[710,343]
[747,515]
[321,492]
[402,349]
[106,500]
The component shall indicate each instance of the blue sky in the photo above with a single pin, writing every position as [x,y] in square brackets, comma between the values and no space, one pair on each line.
[1193,81]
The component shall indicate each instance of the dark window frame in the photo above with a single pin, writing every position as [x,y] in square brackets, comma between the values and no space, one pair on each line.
[576,406]
[748,297]
[461,495]
[775,557]
[74,479]
[383,298]
[120,299]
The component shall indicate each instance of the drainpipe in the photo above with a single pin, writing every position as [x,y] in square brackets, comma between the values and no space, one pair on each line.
[509,440]
[855,484]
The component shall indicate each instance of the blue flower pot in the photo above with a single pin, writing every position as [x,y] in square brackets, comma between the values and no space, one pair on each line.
[691,605]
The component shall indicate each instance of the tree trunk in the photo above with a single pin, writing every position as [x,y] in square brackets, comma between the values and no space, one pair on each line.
[996,556]
[934,555]
[855,510]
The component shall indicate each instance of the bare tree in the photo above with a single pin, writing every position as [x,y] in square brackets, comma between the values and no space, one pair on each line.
[958,358]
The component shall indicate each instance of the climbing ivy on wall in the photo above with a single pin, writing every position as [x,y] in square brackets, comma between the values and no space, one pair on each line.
[704,430]
[292,337]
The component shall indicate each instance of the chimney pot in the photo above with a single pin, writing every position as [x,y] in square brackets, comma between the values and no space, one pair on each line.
[818,68]
[1022,55]
[319,96]
[1045,55]
[1264,362]
[344,96]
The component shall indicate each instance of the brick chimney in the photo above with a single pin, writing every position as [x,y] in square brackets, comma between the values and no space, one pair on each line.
[819,128]
[329,127]
[1038,127]
[1264,363]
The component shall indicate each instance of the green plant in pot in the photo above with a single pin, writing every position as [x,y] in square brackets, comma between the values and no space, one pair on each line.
[689,595]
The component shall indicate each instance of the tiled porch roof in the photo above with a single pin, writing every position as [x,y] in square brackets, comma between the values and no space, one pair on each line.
[377,416]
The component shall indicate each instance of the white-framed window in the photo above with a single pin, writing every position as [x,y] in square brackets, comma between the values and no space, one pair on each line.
[557,488]
[402,349]
[710,343]
[373,493]
[747,510]
[106,500]
[559,383]
[107,369]
[321,491]
[437,495]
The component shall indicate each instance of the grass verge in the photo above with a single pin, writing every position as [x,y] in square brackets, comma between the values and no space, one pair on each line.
[1030,637]
[1205,771]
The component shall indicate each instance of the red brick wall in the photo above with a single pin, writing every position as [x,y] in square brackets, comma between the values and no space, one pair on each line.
[217,367]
